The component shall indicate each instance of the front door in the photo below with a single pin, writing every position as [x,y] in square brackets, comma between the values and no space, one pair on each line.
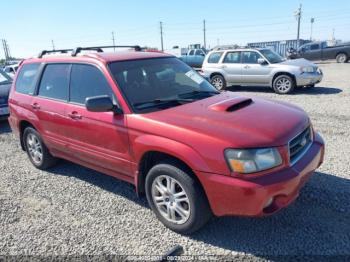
[99,138]
[254,73]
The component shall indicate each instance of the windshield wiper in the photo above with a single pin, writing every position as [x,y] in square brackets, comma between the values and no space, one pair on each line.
[161,101]
[199,92]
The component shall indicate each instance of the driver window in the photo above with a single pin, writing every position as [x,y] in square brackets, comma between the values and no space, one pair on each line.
[250,57]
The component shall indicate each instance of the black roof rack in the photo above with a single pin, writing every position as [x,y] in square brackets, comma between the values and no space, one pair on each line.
[62,51]
[99,48]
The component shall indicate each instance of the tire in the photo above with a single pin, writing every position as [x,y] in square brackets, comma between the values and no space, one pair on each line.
[195,210]
[283,84]
[341,58]
[36,150]
[219,82]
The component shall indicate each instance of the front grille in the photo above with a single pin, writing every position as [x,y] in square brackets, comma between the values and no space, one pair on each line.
[299,145]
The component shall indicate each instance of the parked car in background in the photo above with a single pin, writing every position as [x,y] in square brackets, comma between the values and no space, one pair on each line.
[11,70]
[151,120]
[194,57]
[5,85]
[259,67]
[321,51]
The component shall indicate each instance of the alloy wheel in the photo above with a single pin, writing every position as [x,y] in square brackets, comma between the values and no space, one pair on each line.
[217,82]
[283,85]
[34,148]
[171,199]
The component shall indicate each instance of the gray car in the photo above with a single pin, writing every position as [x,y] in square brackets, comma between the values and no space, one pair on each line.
[259,67]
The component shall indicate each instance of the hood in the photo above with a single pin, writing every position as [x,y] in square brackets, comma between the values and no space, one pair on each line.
[233,120]
[298,62]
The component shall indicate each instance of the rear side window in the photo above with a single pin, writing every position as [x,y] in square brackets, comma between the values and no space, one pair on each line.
[25,83]
[214,57]
[233,58]
[87,81]
[55,81]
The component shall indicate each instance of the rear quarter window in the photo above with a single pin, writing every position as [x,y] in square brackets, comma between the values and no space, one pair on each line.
[26,80]
[214,57]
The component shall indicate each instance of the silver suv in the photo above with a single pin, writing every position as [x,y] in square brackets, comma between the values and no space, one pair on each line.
[259,67]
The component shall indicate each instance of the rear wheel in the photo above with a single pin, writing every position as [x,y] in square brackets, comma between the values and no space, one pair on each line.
[218,81]
[283,84]
[37,152]
[341,58]
[176,198]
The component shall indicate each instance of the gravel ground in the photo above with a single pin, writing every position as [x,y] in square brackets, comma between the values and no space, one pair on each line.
[72,210]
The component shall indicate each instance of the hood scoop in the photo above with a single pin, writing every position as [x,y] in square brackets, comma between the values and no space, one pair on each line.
[232,104]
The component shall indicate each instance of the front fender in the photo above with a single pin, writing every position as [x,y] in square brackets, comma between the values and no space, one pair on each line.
[147,143]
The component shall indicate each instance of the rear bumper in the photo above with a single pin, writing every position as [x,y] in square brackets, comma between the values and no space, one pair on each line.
[232,196]
[309,78]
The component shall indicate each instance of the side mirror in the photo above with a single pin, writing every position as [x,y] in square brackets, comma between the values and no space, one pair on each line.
[262,61]
[202,54]
[101,104]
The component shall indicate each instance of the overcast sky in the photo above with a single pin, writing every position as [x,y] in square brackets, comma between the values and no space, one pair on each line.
[30,26]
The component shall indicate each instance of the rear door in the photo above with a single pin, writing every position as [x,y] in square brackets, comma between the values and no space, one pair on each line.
[99,138]
[49,105]
[232,66]
[254,73]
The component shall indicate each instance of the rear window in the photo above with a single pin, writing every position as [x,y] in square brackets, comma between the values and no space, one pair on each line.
[55,82]
[25,83]
[214,57]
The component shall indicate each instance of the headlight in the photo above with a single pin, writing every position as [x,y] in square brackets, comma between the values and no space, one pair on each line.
[252,160]
[307,69]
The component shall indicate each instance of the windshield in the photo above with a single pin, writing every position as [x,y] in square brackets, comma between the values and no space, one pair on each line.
[271,56]
[159,83]
[4,78]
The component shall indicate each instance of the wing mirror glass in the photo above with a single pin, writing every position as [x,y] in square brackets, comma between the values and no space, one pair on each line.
[262,61]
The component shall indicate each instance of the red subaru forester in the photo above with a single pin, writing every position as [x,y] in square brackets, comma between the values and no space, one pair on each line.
[149,119]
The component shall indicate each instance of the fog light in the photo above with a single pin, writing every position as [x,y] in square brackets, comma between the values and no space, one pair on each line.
[269,202]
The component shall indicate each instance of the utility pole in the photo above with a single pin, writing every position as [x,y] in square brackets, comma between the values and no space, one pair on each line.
[298,17]
[161,34]
[53,45]
[312,22]
[205,41]
[6,50]
[113,39]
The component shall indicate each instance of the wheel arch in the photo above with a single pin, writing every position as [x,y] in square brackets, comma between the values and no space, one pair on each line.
[282,73]
[23,124]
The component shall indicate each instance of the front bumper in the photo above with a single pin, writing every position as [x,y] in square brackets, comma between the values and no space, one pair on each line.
[306,79]
[233,196]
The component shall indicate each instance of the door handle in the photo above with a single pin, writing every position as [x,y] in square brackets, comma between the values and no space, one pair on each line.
[35,106]
[223,66]
[246,67]
[75,115]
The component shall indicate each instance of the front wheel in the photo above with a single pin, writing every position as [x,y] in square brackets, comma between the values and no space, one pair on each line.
[218,81]
[283,84]
[341,58]
[176,198]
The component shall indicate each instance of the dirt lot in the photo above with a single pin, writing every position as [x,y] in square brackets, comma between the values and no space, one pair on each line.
[71,210]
